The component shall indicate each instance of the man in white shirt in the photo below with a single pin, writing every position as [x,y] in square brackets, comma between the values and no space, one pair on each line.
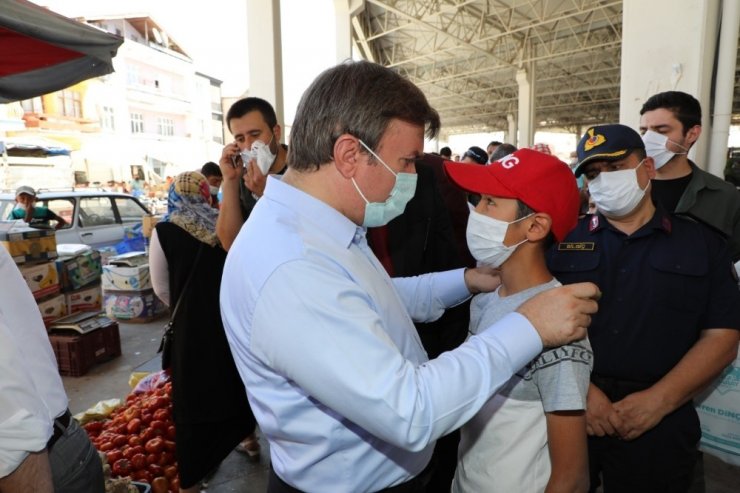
[322,336]
[42,448]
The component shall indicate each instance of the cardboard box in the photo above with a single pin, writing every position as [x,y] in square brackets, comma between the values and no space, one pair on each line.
[133,306]
[89,298]
[42,279]
[147,224]
[52,308]
[79,271]
[76,353]
[28,244]
[127,272]
[130,259]
[117,278]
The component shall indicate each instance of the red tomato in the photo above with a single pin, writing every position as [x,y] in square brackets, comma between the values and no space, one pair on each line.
[152,459]
[155,469]
[138,461]
[114,456]
[171,432]
[175,484]
[133,426]
[128,452]
[120,441]
[154,446]
[94,427]
[162,414]
[134,440]
[167,459]
[121,468]
[158,425]
[146,417]
[141,475]
[160,485]
[105,446]
[170,472]
[169,445]
[138,449]
[146,435]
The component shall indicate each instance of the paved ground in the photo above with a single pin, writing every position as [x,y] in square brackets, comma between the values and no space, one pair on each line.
[139,344]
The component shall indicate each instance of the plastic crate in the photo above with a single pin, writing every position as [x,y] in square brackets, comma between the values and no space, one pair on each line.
[77,353]
[142,487]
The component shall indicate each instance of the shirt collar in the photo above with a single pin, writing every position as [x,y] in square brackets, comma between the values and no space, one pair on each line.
[313,211]
[661,221]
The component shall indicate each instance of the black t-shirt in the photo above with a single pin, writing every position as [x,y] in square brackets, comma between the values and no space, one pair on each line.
[669,192]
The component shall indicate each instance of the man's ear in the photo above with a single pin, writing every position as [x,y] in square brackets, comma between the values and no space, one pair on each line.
[693,134]
[278,132]
[347,155]
[649,164]
[540,226]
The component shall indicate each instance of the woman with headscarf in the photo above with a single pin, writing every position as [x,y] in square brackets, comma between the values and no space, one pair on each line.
[211,411]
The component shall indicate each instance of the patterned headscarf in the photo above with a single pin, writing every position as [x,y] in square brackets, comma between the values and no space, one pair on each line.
[188,207]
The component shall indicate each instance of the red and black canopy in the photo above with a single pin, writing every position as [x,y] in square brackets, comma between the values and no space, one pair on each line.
[42,51]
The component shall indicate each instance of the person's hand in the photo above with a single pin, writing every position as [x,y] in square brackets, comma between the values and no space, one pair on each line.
[254,179]
[230,163]
[638,413]
[600,416]
[482,279]
[561,315]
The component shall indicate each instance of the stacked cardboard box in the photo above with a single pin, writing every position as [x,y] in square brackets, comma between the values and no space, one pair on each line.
[34,250]
[80,281]
[127,289]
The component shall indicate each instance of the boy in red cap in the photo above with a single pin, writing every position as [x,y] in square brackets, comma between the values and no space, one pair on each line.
[532,434]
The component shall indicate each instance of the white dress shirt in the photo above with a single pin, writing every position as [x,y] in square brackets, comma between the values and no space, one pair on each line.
[334,368]
[31,391]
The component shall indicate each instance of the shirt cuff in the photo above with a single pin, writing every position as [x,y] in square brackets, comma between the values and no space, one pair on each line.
[517,335]
[455,291]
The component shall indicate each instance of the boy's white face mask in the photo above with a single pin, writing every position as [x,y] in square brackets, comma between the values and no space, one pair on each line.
[485,237]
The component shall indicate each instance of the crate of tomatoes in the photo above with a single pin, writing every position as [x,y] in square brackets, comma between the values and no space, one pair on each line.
[138,439]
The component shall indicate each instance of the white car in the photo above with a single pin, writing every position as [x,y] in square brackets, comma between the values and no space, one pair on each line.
[94,217]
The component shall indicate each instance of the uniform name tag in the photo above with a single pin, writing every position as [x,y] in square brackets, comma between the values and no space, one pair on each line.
[581,246]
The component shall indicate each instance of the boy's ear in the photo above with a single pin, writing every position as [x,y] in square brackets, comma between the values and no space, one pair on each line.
[540,226]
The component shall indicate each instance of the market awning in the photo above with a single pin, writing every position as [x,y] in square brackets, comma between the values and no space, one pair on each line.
[42,51]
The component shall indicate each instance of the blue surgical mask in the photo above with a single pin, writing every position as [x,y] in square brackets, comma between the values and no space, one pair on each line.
[381,213]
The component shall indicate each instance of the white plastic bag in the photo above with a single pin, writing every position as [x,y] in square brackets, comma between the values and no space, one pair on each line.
[719,413]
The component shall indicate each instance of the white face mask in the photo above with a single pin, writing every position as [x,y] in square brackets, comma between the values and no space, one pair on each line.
[213,190]
[485,237]
[261,154]
[656,147]
[617,193]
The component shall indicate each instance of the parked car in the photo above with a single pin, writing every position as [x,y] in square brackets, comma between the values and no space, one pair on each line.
[94,217]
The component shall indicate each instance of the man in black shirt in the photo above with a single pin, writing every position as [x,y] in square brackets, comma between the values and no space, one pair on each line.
[671,123]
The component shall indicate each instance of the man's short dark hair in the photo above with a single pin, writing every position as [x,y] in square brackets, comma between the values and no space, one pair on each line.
[685,107]
[446,152]
[502,150]
[247,105]
[356,98]
[210,169]
[494,143]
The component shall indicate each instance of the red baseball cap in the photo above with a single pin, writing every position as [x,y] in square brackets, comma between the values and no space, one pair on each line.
[543,182]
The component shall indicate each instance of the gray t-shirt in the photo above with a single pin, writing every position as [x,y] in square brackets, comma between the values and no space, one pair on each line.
[558,377]
[504,447]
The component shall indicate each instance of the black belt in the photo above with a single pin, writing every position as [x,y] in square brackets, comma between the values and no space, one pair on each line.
[60,425]
[416,485]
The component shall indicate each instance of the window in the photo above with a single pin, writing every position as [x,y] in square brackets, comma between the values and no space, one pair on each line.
[69,103]
[63,208]
[108,121]
[96,211]
[165,126]
[34,105]
[137,123]
[129,210]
